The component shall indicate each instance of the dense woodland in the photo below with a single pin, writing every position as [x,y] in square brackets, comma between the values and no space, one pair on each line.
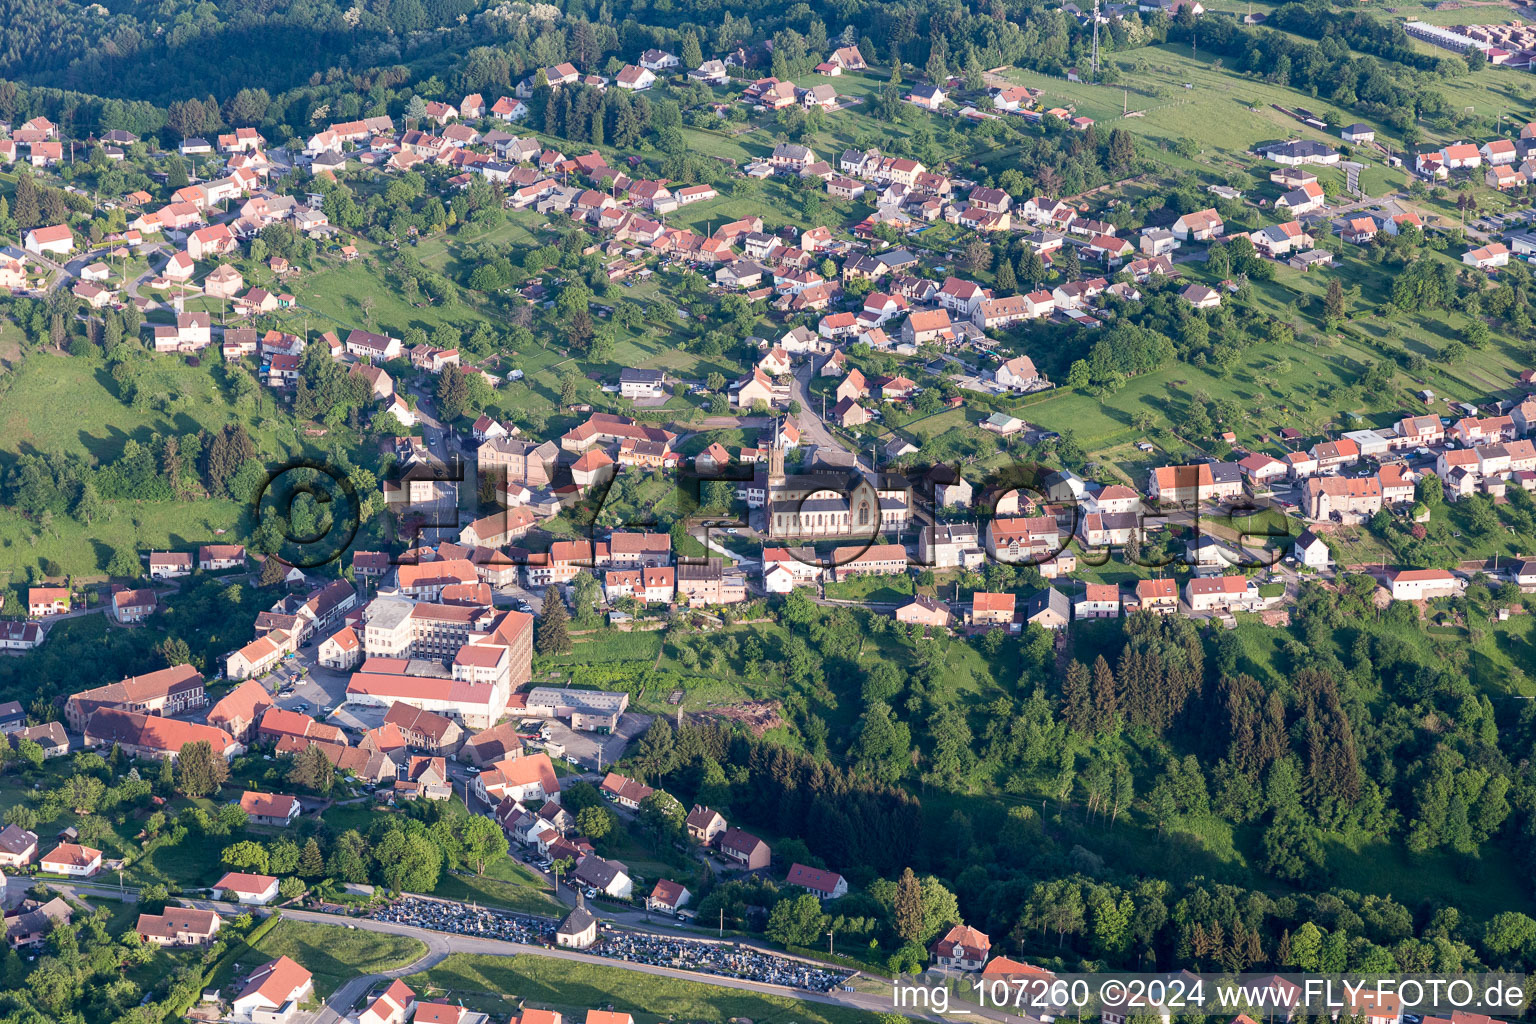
[1044,809]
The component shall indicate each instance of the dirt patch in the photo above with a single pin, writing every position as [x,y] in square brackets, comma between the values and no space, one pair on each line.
[757,715]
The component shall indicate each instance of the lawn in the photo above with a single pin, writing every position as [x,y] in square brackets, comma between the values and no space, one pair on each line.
[872,588]
[60,405]
[336,954]
[506,884]
[500,985]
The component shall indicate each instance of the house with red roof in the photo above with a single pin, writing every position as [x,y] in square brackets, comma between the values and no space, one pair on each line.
[668,897]
[71,859]
[962,948]
[827,885]
[276,809]
[273,992]
[394,1005]
[250,889]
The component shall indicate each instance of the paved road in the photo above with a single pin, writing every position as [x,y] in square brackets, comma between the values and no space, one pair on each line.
[149,251]
[813,428]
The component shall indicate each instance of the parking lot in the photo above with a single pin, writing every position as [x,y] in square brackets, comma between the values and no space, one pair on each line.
[585,746]
[316,689]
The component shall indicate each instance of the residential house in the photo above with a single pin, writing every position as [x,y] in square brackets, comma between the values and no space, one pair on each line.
[608,877]
[1329,497]
[1049,608]
[668,897]
[17,846]
[275,809]
[1099,601]
[1221,594]
[179,926]
[130,606]
[745,849]
[990,609]
[72,860]
[1199,226]
[1158,596]
[962,948]
[924,611]
[823,884]
[1421,584]
[273,993]
[1311,551]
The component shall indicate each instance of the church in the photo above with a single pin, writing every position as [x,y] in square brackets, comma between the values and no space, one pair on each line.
[833,504]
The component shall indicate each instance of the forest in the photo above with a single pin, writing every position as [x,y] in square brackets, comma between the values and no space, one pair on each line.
[1063,813]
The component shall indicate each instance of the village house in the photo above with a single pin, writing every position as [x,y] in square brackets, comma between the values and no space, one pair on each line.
[273,992]
[1099,601]
[823,884]
[1158,596]
[746,850]
[667,897]
[704,825]
[924,611]
[275,809]
[1330,497]
[130,606]
[624,791]
[179,926]
[1200,226]
[17,846]
[1221,594]
[72,860]
[962,948]
[1422,584]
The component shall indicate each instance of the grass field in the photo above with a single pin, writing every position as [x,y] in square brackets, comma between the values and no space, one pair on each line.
[62,405]
[335,954]
[871,588]
[499,985]
[504,884]
[1225,113]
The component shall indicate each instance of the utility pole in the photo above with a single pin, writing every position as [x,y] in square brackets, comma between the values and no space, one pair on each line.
[829,942]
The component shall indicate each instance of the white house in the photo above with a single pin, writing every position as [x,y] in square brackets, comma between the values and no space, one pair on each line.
[273,992]
[255,890]
[1310,551]
[73,860]
[56,239]
[1422,584]
[608,877]
[827,885]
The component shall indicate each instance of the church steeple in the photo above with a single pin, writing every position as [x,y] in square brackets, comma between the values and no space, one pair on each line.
[776,454]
